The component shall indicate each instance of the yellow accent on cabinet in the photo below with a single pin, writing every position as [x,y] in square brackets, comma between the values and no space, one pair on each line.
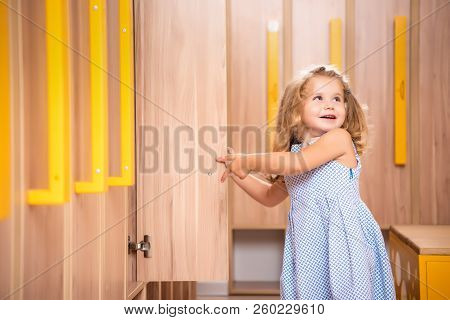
[99,100]
[434,275]
[5,107]
[58,108]
[400,121]
[126,97]
[336,42]
[272,78]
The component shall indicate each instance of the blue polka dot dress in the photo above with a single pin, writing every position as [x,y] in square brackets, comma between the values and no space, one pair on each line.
[334,248]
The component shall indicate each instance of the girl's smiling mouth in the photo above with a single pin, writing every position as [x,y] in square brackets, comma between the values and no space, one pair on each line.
[328,116]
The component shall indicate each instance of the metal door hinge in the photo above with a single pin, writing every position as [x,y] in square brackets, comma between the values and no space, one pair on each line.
[143,246]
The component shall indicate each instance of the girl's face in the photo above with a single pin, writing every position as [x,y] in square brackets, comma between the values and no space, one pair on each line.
[324,107]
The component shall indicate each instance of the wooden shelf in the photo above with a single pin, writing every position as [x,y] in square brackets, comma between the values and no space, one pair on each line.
[255,287]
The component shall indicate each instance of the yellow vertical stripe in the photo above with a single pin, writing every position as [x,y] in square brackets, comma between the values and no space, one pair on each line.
[272,79]
[336,43]
[126,96]
[400,90]
[5,129]
[99,100]
[58,108]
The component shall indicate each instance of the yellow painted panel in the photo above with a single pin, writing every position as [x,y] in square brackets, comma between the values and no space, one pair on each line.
[336,43]
[434,273]
[5,129]
[272,78]
[99,100]
[400,62]
[126,96]
[58,108]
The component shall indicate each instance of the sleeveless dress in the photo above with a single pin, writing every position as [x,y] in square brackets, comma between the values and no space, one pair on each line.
[334,248]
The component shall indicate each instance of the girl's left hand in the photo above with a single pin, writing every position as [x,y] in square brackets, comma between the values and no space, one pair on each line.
[234,164]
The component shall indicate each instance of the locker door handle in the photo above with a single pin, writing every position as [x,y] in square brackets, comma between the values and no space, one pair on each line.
[126,97]
[336,42]
[144,246]
[272,77]
[400,121]
[5,107]
[99,100]
[58,108]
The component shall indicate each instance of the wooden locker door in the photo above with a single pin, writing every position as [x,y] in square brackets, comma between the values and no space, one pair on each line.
[384,186]
[181,102]
[248,25]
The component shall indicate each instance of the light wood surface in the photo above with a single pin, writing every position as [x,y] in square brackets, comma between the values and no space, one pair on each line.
[425,239]
[310,31]
[181,81]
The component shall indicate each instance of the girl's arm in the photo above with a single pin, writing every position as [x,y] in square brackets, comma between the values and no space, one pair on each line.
[334,144]
[265,193]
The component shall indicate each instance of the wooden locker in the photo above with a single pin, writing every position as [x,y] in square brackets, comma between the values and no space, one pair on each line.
[385,187]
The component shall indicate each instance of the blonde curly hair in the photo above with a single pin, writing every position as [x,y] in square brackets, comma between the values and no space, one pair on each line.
[289,125]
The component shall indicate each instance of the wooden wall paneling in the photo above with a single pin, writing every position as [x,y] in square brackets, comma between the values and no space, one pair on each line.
[384,187]
[181,81]
[87,208]
[247,25]
[414,120]
[310,22]
[287,42]
[114,273]
[349,43]
[433,114]
[43,226]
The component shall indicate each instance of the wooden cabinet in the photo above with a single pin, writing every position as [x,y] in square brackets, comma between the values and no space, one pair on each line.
[420,257]
[201,65]
[79,249]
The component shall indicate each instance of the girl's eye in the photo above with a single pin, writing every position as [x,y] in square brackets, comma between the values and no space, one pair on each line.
[319,97]
[337,99]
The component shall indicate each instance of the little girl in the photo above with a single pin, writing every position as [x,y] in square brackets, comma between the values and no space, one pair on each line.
[334,248]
